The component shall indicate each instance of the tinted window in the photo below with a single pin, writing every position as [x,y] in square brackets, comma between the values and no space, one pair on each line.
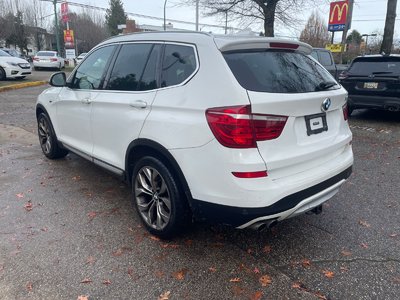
[90,72]
[148,80]
[129,67]
[315,55]
[376,65]
[325,58]
[2,53]
[178,64]
[46,54]
[276,71]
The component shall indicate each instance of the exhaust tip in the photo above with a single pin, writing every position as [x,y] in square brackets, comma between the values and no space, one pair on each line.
[263,225]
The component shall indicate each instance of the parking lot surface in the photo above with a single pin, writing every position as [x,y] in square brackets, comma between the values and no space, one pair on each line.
[68,229]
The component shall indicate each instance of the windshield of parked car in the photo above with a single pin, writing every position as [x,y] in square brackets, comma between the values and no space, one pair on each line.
[375,65]
[3,53]
[46,54]
[277,71]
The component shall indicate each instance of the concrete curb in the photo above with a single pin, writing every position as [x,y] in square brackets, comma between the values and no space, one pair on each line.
[21,85]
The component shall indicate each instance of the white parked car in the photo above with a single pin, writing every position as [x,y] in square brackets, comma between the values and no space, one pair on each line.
[13,67]
[48,59]
[245,131]
[80,57]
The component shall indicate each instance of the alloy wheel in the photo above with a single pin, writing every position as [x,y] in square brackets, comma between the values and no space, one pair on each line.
[44,136]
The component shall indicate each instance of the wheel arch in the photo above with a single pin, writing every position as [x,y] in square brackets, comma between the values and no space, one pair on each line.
[40,109]
[142,147]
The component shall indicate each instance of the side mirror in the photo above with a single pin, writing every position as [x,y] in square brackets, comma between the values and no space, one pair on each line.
[58,79]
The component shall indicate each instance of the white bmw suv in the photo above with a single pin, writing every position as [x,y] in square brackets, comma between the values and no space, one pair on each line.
[234,130]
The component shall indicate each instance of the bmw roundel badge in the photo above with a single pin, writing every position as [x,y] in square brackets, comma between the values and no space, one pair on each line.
[326,104]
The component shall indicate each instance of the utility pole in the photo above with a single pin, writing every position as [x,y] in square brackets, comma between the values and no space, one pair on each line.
[197,15]
[346,28]
[165,15]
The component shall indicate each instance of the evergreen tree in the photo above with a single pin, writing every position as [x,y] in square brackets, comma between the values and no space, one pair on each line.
[115,16]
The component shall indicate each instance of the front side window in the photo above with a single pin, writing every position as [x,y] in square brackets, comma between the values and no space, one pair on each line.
[277,71]
[179,63]
[90,72]
[135,68]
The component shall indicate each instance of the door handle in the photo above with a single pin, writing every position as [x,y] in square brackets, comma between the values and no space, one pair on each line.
[86,100]
[138,104]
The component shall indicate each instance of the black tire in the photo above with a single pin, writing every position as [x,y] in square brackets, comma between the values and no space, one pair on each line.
[2,74]
[48,139]
[21,77]
[151,202]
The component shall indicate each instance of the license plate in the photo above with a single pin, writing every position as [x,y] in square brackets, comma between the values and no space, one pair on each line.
[370,85]
[316,124]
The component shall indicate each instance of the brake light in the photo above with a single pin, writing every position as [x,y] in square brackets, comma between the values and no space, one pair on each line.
[345,112]
[53,59]
[36,58]
[284,45]
[237,127]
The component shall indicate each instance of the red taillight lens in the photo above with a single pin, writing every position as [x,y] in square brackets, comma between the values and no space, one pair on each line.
[36,58]
[284,45]
[237,127]
[345,112]
[256,174]
[53,59]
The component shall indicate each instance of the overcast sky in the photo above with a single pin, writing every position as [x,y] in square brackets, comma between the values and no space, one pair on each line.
[368,15]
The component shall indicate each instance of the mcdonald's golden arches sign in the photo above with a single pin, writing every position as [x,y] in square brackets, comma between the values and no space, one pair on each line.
[338,15]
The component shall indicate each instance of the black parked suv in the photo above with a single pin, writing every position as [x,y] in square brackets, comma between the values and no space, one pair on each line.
[373,81]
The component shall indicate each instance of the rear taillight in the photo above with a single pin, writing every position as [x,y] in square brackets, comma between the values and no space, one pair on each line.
[36,58]
[237,127]
[53,59]
[256,174]
[345,112]
[283,45]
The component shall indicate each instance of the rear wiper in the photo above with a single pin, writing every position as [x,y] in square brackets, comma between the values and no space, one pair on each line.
[324,85]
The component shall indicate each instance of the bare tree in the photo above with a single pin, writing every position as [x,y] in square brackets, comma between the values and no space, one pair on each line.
[315,32]
[388,33]
[246,12]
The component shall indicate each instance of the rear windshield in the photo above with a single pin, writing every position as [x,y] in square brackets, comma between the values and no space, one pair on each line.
[277,71]
[376,65]
[45,54]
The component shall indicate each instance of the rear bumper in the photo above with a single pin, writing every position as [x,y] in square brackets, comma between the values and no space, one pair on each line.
[50,64]
[364,101]
[286,207]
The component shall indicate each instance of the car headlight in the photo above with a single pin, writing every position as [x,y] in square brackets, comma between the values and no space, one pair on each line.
[12,63]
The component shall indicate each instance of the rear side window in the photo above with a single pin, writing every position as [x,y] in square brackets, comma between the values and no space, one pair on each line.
[129,68]
[376,65]
[325,58]
[178,64]
[276,71]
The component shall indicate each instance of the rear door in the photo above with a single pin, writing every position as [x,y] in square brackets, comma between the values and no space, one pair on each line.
[374,76]
[290,84]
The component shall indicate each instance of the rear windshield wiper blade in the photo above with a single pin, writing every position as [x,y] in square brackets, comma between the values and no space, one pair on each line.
[325,85]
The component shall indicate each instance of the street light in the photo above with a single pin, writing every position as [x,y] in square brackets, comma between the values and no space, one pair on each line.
[366,40]
[165,15]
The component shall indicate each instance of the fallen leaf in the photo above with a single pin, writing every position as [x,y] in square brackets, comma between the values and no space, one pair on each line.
[29,286]
[90,260]
[92,214]
[328,274]
[82,298]
[172,246]
[76,178]
[393,235]
[121,251]
[265,280]
[86,280]
[164,296]
[106,281]
[256,296]
[180,275]
[28,206]
[212,269]
[44,229]
[189,243]
[154,238]
[320,296]
[343,269]
[159,274]
[20,195]
[306,263]
[364,223]
[296,285]
[396,280]
[267,249]
[236,279]
[364,245]
[256,270]
[346,253]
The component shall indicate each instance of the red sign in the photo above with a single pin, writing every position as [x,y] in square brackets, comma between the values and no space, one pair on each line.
[64,12]
[69,39]
[338,15]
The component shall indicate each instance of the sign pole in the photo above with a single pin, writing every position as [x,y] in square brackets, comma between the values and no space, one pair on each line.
[333,36]
[346,28]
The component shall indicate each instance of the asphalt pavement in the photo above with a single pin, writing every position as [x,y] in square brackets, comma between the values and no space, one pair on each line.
[68,229]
